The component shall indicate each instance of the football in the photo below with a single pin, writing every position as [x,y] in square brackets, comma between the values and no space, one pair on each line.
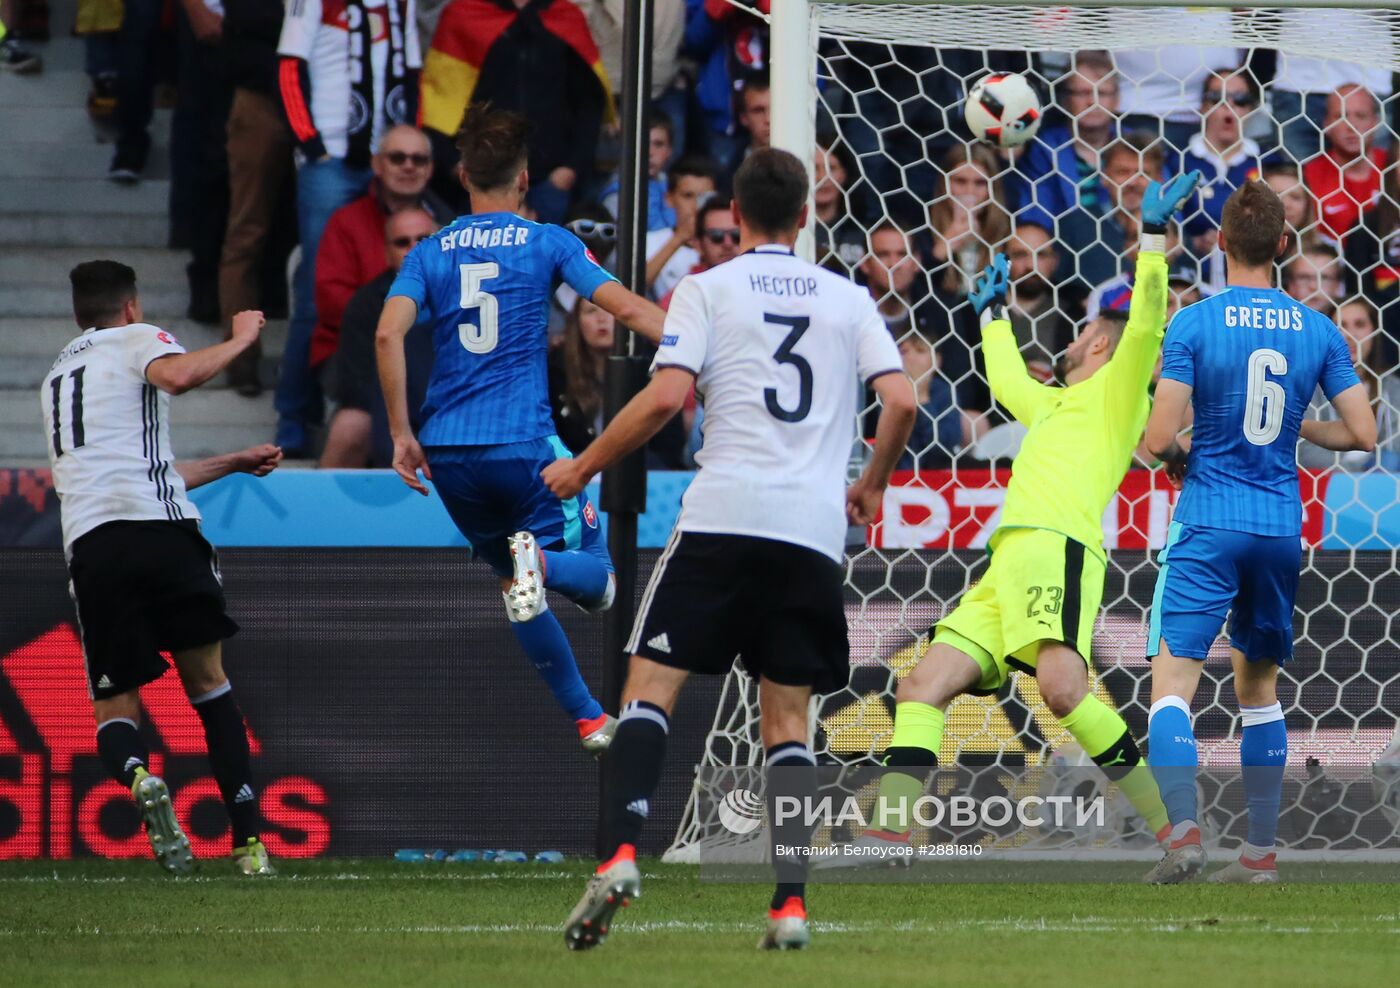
[1003,109]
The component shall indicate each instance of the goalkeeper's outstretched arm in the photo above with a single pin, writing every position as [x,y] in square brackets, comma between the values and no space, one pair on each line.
[1011,385]
[1130,370]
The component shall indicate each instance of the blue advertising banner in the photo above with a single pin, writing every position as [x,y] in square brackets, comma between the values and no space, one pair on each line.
[370,508]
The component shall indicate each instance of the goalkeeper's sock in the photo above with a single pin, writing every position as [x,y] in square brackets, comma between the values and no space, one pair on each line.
[1263,752]
[911,755]
[226,738]
[122,749]
[580,576]
[1171,751]
[634,759]
[791,776]
[1105,738]
[543,641]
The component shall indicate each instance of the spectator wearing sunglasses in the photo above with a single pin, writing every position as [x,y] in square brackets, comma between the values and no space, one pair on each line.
[351,254]
[717,240]
[594,225]
[359,431]
[1223,155]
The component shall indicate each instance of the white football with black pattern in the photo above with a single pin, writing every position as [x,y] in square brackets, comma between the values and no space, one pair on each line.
[1002,109]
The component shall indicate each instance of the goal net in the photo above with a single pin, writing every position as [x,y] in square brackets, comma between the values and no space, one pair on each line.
[905,203]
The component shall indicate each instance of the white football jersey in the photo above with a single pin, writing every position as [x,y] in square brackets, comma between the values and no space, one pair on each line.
[779,348]
[108,431]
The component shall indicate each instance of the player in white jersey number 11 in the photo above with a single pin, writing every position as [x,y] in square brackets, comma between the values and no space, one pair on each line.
[779,349]
[143,578]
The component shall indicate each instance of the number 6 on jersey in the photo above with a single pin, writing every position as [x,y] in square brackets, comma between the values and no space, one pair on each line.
[1264,399]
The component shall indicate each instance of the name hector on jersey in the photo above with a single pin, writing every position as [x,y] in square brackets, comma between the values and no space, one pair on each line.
[780,286]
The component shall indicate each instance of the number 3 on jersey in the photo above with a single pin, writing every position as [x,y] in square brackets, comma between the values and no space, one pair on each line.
[1264,398]
[784,355]
[480,336]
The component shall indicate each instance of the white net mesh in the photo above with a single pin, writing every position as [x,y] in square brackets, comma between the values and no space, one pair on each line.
[906,205]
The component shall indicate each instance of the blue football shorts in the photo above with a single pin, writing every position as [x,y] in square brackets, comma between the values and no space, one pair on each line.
[492,492]
[1207,573]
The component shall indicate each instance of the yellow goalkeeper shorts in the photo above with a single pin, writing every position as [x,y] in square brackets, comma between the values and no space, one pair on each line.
[1040,586]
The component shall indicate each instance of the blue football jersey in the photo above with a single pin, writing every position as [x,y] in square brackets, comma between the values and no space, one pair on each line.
[485,283]
[1253,358]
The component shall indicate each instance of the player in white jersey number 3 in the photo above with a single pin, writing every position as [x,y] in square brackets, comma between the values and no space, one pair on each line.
[778,349]
[143,579]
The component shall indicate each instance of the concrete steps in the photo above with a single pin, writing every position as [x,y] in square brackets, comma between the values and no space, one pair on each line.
[29,344]
[203,423]
[57,209]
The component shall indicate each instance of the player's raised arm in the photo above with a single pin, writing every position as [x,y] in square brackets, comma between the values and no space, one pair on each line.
[400,312]
[582,272]
[678,362]
[180,372]
[636,313]
[1011,385]
[1130,370]
[639,420]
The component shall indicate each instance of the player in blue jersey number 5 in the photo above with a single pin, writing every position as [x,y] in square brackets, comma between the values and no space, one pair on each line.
[485,283]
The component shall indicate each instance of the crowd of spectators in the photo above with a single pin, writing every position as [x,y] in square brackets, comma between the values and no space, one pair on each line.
[329,124]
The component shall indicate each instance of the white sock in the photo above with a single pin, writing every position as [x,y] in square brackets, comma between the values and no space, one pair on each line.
[1251,853]
[1183,828]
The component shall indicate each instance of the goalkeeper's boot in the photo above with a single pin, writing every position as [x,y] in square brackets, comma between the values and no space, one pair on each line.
[1183,861]
[168,841]
[251,859]
[1247,871]
[596,734]
[526,598]
[787,927]
[614,885]
[873,849]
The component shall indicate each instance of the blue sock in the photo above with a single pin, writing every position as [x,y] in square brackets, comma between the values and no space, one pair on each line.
[580,576]
[545,644]
[1171,753]
[1263,752]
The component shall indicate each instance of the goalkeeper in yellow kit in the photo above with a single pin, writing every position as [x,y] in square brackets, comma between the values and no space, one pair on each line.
[1035,607]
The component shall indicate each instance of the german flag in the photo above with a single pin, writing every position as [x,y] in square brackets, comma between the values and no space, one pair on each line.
[465,34]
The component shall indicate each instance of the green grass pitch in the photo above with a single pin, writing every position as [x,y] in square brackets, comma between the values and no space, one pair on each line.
[358,922]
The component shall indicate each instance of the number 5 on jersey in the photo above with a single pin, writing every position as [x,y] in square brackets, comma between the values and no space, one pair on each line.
[480,336]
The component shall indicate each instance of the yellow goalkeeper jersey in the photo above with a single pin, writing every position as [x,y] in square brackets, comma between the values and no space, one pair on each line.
[1081,438]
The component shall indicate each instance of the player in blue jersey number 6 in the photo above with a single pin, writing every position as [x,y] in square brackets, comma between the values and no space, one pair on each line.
[485,282]
[1248,359]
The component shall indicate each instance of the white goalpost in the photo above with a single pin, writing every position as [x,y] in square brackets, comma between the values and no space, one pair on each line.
[873,91]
